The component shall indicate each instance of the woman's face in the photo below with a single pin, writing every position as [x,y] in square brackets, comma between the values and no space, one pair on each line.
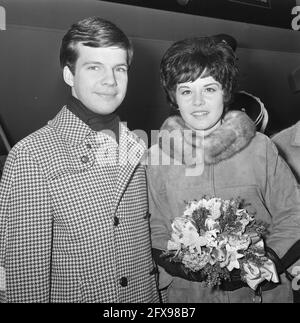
[201,103]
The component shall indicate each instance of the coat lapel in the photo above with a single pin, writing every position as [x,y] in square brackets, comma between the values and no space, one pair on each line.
[77,134]
[70,127]
[76,155]
[131,150]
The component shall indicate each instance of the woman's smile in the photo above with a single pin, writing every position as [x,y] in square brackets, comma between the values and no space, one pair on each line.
[200,114]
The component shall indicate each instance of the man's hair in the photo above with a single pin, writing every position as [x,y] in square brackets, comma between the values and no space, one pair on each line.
[188,59]
[92,32]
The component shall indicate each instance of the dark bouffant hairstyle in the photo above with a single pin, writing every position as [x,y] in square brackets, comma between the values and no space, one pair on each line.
[93,32]
[188,59]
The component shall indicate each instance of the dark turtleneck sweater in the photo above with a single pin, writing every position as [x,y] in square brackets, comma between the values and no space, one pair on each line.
[95,121]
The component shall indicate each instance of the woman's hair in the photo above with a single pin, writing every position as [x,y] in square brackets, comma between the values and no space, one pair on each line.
[188,59]
[92,32]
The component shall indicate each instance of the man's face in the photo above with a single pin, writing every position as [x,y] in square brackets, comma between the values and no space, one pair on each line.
[100,77]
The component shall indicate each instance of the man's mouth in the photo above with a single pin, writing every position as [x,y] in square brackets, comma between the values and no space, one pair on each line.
[106,94]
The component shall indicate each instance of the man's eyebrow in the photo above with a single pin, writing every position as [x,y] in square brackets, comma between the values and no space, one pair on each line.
[99,63]
[92,63]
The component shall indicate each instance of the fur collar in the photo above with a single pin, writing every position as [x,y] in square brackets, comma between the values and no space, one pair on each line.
[234,134]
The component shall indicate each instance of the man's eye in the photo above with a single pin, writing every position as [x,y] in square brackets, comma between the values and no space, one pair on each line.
[122,69]
[93,68]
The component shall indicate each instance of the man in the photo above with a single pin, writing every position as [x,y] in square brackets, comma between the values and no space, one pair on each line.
[74,213]
[288,144]
[288,140]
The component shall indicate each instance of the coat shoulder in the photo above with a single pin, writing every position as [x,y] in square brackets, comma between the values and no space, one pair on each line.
[262,142]
[286,136]
[34,142]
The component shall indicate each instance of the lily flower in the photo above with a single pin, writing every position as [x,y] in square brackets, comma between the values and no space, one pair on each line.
[232,258]
[191,238]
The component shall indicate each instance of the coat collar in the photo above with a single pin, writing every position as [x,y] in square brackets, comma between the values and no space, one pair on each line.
[70,127]
[130,150]
[75,131]
[234,134]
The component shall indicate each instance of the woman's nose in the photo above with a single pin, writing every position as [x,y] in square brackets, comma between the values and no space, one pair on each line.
[198,98]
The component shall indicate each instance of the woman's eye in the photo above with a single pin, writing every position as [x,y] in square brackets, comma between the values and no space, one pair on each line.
[186,92]
[210,90]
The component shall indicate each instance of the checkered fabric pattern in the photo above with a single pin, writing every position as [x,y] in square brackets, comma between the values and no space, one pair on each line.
[73,221]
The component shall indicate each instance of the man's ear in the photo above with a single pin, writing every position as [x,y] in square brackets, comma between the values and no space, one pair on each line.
[68,76]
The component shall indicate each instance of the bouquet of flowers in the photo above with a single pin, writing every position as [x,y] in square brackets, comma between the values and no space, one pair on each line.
[217,236]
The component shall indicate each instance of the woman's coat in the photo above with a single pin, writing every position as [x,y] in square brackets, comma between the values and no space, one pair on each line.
[236,162]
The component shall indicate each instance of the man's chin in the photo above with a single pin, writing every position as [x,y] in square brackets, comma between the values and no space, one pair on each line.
[102,109]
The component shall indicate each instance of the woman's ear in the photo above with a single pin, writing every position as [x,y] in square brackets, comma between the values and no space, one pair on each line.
[68,76]
[171,98]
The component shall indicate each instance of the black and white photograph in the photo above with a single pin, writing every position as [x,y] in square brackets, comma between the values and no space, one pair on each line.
[149,154]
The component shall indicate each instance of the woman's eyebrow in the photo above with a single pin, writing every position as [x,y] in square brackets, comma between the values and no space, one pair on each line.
[182,86]
[213,83]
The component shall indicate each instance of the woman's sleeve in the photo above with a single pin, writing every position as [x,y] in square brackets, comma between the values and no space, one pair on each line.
[160,224]
[282,197]
[160,219]
[25,230]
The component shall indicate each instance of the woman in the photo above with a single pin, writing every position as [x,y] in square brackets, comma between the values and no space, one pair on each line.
[215,153]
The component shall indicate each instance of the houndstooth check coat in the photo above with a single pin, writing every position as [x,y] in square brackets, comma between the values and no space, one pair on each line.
[74,225]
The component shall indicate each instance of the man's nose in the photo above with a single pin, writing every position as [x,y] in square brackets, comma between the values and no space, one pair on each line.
[109,77]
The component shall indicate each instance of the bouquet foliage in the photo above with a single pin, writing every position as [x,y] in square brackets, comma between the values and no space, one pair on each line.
[216,236]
